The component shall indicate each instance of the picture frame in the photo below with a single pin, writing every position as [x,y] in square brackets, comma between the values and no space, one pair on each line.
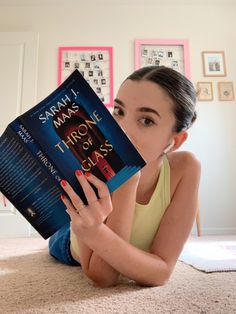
[213,63]
[173,53]
[95,63]
[226,91]
[204,91]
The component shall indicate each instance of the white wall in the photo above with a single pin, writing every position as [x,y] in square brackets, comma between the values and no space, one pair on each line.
[208,25]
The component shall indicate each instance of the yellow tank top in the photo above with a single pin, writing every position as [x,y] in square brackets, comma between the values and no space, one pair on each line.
[147,217]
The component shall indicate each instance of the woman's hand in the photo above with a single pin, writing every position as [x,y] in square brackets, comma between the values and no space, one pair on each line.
[86,219]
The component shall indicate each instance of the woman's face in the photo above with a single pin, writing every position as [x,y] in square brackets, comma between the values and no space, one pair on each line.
[143,110]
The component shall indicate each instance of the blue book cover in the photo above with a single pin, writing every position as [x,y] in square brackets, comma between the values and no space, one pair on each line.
[70,129]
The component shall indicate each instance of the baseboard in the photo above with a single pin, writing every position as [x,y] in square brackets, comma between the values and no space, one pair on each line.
[33,233]
[215,231]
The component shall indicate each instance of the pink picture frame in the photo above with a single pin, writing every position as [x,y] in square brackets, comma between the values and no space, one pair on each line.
[95,63]
[173,53]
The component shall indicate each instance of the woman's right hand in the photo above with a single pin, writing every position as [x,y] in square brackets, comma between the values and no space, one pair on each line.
[87,219]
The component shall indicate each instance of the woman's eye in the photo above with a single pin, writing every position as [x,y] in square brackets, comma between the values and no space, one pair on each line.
[117,111]
[146,121]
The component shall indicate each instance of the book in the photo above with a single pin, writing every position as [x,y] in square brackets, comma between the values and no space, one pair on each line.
[70,129]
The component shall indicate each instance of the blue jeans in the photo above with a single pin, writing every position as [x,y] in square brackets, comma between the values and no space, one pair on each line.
[59,246]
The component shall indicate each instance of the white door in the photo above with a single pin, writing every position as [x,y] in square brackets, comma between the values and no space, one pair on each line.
[18,78]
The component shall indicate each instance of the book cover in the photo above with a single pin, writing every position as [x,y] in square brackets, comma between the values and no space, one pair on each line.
[70,129]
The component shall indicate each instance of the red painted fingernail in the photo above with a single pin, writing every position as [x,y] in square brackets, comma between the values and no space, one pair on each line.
[87,174]
[62,196]
[63,182]
[78,172]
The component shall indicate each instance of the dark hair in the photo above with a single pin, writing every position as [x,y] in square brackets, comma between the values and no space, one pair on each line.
[179,89]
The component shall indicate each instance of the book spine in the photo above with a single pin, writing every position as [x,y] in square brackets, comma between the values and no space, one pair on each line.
[28,183]
[35,149]
[46,163]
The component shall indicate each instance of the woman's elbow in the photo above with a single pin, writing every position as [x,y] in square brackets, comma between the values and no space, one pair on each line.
[160,283]
[104,283]
[101,281]
[161,279]
[157,282]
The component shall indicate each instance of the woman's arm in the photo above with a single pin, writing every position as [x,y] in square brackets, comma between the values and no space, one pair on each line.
[152,268]
[120,221]
[179,217]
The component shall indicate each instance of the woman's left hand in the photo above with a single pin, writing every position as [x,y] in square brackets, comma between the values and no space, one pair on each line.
[87,218]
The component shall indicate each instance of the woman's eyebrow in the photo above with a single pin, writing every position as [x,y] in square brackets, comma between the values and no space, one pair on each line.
[140,109]
[119,102]
[147,109]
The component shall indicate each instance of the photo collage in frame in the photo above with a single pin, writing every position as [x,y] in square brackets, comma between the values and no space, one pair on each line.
[163,52]
[170,56]
[94,63]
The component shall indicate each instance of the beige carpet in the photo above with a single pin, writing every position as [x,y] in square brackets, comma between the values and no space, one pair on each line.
[32,282]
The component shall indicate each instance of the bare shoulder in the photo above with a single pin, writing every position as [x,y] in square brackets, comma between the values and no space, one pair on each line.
[183,161]
[183,164]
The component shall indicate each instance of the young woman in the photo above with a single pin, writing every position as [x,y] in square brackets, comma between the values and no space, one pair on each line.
[139,230]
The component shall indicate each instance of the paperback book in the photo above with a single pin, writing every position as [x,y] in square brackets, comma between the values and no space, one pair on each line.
[70,129]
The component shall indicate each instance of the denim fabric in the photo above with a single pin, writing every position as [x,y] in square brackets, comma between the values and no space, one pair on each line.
[59,246]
